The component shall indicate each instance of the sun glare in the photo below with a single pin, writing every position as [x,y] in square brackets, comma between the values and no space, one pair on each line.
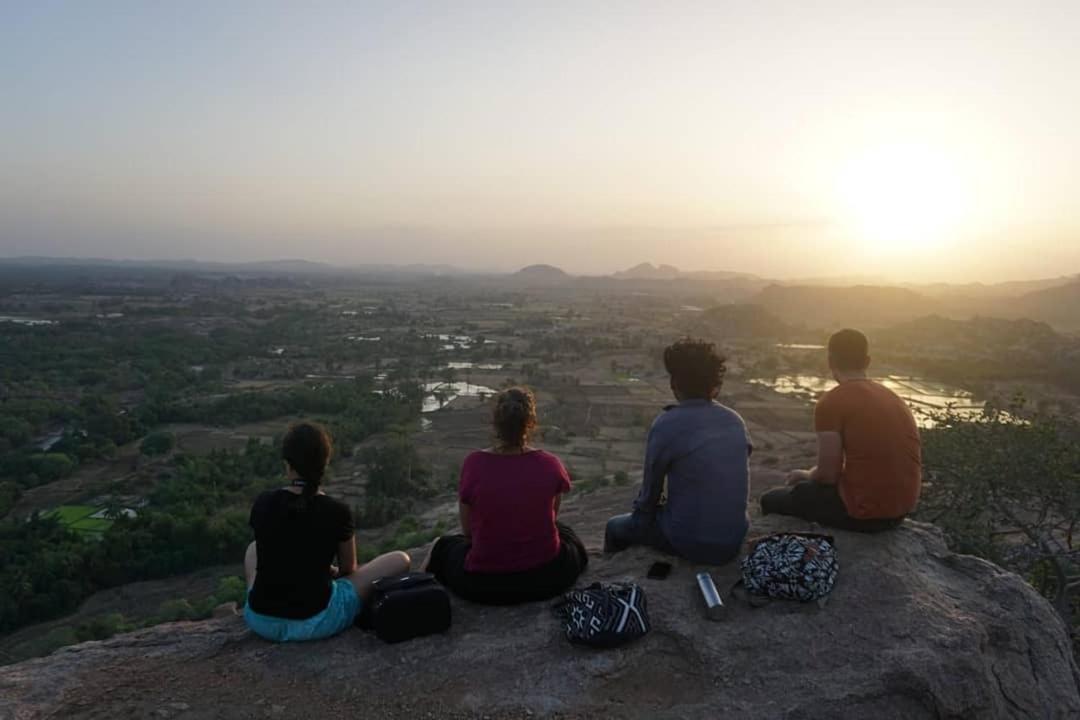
[903,199]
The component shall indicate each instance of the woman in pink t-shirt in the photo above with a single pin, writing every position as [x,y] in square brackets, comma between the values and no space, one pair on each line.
[511,548]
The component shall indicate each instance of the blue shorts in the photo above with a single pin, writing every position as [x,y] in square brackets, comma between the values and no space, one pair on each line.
[338,616]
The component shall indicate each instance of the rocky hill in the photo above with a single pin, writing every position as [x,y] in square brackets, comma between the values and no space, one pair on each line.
[1055,305]
[863,306]
[541,274]
[648,271]
[912,630]
[741,321]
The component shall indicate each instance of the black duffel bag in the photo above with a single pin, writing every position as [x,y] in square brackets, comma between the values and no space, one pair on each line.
[405,607]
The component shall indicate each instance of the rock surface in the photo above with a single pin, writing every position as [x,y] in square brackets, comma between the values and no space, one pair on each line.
[911,631]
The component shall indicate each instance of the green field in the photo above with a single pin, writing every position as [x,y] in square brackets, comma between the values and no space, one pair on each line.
[77,517]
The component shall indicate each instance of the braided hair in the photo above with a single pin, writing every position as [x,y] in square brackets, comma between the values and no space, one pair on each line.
[307,448]
[514,416]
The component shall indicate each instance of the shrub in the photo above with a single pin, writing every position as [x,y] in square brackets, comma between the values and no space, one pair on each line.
[1009,490]
[158,443]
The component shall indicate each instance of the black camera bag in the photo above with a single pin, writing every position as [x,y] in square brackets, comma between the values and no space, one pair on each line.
[405,607]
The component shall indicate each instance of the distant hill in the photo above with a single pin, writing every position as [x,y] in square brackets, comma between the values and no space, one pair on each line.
[546,274]
[1059,306]
[831,307]
[741,321]
[258,267]
[648,271]
[978,290]
[972,338]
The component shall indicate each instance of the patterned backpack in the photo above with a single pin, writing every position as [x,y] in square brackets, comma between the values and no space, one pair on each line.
[790,566]
[604,615]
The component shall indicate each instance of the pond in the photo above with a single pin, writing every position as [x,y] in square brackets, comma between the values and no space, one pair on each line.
[452,342]
[438,395]
[925,398]
[25,320]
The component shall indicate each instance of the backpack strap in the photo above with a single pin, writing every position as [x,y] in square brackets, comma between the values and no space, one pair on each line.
[754,601]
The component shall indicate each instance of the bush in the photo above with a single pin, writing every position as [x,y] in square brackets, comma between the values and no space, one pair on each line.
[102,627]
[1009,490]
[231,588]
[52,466]
[9,495]
[173,610]
[55,639]
[158,443]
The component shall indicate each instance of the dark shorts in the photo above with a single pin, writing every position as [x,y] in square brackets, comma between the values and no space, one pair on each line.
[821,504]
[447,564]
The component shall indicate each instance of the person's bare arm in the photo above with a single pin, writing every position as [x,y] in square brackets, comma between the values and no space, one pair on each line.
[829,465]
[465,517]
[346,556]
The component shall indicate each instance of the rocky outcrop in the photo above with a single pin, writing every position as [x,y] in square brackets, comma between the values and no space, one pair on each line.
[541,275]
[911,631]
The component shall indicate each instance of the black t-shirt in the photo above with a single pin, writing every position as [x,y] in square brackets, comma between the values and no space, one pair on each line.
[295,548]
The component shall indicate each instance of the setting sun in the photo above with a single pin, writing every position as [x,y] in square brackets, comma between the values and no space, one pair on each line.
[903,199]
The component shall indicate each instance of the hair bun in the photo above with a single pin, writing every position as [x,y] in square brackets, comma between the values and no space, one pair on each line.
[514,416]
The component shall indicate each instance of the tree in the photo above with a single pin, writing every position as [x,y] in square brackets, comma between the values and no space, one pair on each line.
[9,495]
[53,466]
[1009,490]
[157,443]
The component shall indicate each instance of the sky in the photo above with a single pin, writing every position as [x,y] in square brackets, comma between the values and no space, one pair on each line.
[920,141]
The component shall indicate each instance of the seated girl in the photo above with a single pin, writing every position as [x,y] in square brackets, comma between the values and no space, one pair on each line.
[511,549]
[295,591]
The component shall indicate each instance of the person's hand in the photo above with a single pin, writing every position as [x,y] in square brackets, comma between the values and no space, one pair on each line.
[797,476]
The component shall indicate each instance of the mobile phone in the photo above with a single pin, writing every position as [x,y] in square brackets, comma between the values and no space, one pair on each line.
[659,570]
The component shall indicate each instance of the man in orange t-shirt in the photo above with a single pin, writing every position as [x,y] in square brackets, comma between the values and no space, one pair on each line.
[869,470]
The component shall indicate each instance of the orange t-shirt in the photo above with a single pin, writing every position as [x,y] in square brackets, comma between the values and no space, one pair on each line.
[882,473]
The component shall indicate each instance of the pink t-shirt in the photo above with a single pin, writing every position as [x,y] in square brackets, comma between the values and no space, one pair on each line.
[511,499]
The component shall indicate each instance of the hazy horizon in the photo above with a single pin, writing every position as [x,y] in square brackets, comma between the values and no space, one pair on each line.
[919,143]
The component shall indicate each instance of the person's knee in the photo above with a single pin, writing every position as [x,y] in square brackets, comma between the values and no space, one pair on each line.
[773,501]
[251,563]
[615,533]
[399,560]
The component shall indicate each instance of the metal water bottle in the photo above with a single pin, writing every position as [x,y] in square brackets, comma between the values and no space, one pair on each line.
[714,606]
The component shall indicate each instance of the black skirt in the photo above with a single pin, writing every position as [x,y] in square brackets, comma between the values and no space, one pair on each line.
[447,564]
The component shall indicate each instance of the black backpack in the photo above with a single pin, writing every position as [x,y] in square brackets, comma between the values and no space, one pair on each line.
[604,615]
[405,607]
[790,566]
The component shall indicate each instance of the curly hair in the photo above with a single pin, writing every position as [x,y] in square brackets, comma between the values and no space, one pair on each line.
[695,367]
[514,416]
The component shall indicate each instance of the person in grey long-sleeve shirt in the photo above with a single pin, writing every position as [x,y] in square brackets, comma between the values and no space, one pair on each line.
[702,449]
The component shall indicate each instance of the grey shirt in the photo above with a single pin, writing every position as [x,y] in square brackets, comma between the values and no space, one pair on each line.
[703,449]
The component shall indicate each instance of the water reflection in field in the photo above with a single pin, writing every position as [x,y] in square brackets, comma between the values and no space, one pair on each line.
[438,395]
[473,366]
[926,399]
[25,320]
